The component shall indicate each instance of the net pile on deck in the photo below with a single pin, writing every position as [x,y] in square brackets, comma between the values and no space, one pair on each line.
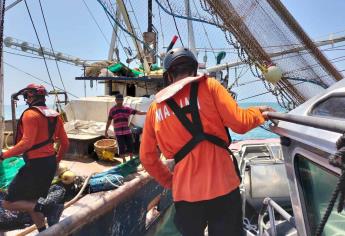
[58,193]
[114,177]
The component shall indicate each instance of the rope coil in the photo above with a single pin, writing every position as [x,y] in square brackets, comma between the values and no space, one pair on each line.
[337,160]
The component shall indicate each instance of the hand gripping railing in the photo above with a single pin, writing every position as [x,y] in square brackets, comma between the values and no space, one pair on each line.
[271,206]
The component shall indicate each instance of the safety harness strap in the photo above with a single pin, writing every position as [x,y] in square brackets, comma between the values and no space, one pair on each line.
[195,127]
[51,129]
[52,121]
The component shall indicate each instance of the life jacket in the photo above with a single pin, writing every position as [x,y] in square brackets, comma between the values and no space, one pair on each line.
[52,117]
[194,127]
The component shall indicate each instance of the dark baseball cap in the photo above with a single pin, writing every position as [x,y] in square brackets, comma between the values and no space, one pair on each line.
[119,96]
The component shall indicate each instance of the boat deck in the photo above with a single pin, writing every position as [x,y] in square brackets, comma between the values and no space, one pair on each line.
[82,167]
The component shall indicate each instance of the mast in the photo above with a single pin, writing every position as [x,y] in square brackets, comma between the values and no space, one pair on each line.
[149,16]
[113,49]
[2,119]
[150,37]
[123,10]
[191,39]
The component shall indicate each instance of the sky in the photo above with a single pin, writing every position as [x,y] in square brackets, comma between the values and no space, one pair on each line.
[73,31]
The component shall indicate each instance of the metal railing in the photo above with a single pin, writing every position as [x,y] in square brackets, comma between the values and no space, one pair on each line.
[337,126]
[271,207]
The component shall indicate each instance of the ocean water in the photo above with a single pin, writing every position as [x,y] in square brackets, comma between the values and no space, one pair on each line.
[257,133]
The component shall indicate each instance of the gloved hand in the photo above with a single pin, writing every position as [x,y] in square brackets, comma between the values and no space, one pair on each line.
[264,110]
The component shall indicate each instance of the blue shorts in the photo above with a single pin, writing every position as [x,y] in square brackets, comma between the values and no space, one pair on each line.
[125,143]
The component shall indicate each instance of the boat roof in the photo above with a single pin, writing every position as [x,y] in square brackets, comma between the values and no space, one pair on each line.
[324,140]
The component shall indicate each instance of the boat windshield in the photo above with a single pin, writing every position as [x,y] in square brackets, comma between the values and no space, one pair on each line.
[317,185]
[331,107]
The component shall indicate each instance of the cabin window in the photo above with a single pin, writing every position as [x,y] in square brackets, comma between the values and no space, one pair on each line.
[331,107]
[318,184]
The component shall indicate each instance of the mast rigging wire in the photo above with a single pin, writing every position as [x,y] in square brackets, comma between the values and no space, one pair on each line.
[94,19]
[35,77]
[39,42]
[135,17]
[161,25]
[135,41]
[203,26]
[280,90]
[178,32]
[184,17]
[116,33]
[51,46]
[123,28]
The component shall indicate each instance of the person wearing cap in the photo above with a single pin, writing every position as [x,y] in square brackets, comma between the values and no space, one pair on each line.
[38,128]
[188,122]
[119,114]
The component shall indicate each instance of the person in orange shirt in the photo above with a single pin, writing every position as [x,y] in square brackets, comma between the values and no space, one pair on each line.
[186,122]
[38,128]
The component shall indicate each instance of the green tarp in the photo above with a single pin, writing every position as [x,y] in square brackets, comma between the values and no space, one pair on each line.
[8,169]
[121,69]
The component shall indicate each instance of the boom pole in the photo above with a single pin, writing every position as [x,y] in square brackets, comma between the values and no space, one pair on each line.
[2,118]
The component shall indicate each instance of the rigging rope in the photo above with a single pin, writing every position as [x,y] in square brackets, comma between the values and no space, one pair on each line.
[23,55]
[35,77]
[123,28]
[51,46]
[178,32]
[135,17]
[160,24]
[256,95]
[337,160]
[94,19]
[39,42]
[184,17]
[141,57]
[203,26]
[116,34]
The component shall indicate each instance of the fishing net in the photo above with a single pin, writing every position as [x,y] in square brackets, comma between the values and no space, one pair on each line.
[114,177]
[10,220]
[261,32]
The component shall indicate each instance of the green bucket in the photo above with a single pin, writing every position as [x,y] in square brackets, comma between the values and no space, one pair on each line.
[8,170]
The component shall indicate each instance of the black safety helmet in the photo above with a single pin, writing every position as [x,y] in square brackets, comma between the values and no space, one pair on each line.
[179,56]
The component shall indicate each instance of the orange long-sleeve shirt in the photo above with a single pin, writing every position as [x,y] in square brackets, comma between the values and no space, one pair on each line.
[207,171]
[35,130]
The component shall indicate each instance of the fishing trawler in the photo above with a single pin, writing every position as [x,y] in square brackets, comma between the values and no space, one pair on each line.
[289,66]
